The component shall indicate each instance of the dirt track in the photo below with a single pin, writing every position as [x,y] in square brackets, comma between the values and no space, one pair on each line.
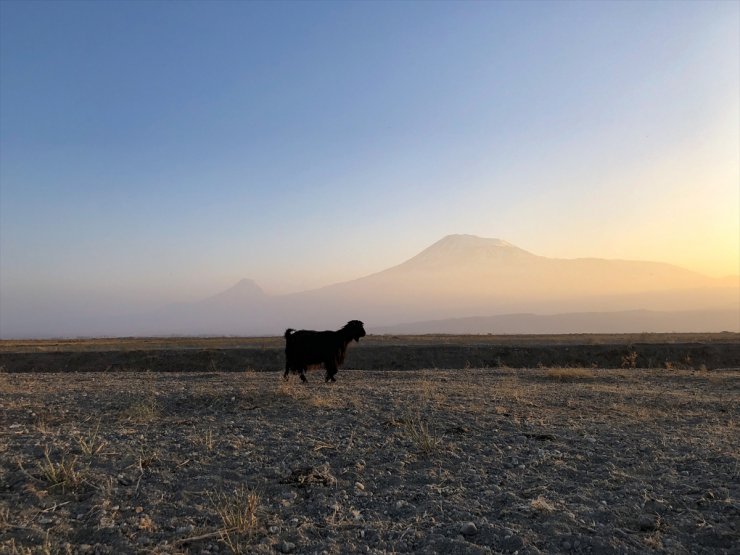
[465,461]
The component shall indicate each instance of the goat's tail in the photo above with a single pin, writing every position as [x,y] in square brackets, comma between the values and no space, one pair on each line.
[287,333]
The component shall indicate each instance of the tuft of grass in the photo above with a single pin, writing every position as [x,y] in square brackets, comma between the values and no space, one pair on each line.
[238,513]
[91,444]
[569,374]
[45,548]
[418,431]
[144,410]
[542,505]
[206,439]
[62,474]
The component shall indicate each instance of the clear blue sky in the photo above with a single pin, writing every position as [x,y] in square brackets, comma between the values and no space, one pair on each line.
[155,151]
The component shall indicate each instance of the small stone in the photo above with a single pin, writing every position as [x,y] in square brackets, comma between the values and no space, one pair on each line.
[468,529]
[514,543]
[566,545]
[287,547]
[655,506]
[359,486]
[646,522]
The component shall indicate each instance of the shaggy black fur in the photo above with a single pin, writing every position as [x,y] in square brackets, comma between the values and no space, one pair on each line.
[304,348]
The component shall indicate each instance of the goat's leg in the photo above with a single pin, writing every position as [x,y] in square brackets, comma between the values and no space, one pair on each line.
[287,371]
[303,374]
[331,370]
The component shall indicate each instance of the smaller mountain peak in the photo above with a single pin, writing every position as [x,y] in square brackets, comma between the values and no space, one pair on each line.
[244,289]
[246,283]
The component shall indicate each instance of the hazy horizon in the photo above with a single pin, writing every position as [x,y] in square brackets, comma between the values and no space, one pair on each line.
[459,283]
[155,153]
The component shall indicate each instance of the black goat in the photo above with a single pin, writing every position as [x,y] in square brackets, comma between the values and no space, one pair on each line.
[304,348]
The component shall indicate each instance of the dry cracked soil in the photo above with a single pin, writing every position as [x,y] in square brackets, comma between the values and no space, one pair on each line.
[495,460]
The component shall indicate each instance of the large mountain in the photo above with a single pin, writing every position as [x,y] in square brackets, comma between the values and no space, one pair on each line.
[464,271]
[463,277]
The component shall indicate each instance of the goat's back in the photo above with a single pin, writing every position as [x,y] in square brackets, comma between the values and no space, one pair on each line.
[314,346]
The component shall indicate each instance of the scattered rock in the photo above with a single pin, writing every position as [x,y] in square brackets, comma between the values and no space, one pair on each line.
[513,543]
[646,522]
[287,547]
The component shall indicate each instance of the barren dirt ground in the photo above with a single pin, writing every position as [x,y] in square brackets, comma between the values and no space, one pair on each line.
[455,461]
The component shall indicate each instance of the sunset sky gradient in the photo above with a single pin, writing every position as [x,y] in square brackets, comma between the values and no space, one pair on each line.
[160,151]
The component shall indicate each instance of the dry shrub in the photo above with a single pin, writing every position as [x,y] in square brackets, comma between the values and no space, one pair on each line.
[629,360]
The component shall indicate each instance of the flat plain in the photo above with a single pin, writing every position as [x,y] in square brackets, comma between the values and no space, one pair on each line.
[377,352]
[474,460]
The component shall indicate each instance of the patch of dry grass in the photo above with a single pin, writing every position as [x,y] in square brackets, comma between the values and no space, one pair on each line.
[204,439]
[542,505]
[421,435]
[63,474]
[141,410]
[320,396]
[570,374]
[238,512]
[91,443]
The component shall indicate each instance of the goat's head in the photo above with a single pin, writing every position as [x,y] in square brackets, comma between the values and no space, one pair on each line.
[354,330]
